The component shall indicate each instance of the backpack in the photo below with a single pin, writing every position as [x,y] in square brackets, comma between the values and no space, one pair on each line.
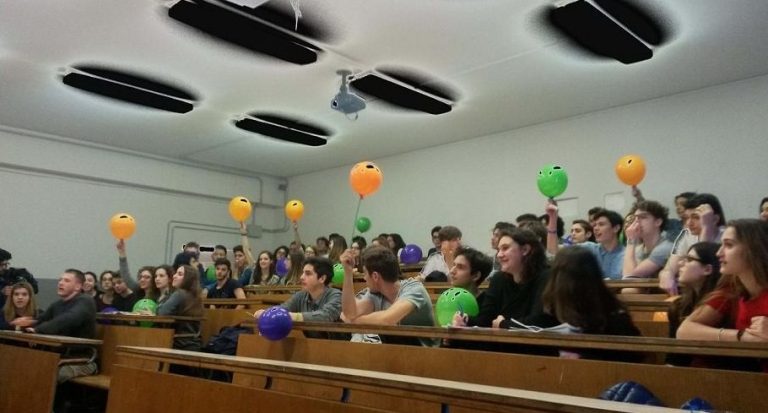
[226,341]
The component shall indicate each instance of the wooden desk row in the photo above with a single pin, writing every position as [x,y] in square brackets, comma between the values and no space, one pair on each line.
[360,390]
[439,287]
[29,365]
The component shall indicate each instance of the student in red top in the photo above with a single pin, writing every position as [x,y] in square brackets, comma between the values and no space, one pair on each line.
[744,257]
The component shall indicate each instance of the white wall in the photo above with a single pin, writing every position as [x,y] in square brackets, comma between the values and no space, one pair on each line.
[710,140]
[56,198]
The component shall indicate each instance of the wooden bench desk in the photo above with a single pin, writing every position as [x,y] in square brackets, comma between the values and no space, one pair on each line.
[29,365]
[115,335]
[590,341]
[586,378]
[444,395]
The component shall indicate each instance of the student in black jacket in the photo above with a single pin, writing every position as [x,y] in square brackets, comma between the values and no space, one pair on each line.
[73,315]
[515,292]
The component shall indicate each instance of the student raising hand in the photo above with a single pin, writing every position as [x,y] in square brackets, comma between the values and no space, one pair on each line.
[347,259]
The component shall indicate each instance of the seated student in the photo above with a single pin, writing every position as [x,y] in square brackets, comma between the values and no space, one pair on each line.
[437,266]
[608,250]
[470,268]
[73,315]
[124,298]
[262,272]
[764,209]
[225,287]
[674,227]
[387,299]
[581,232]
[495,242]
[89,286]
[106,297]
[185,301]
[337,245]
[435,241]
[10,276]
[699,276]
[280,253]
[704,220]
[321,247]
[219,251]
[294,264]
[146,284]
[648,249]
[357,247]
[516,291]
[309,251]
[744,260]
[576,294]
[316,301]
[396,243]
[163,274]
[20,304]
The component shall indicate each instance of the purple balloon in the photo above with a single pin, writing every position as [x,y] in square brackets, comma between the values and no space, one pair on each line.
[411,254]
[275,323]
[280,267]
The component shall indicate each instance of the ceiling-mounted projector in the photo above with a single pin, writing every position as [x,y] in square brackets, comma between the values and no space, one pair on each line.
[345,101]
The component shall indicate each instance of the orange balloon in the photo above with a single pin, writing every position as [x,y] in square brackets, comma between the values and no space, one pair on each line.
[365,178]
[294,210]
[122,225]
[630,169]
[240,208]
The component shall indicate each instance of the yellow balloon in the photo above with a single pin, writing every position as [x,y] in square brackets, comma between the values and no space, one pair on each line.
[294,210]
[240,208]
[122,225]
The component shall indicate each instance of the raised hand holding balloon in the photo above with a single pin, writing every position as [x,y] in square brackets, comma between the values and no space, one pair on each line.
[365,178]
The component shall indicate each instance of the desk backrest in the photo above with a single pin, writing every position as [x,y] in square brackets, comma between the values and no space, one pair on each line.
[114,335]
[587,378]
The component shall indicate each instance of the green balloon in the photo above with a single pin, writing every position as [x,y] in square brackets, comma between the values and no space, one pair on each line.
[453,300]
[552,181]
[338,274]
[363,224]
[210,274]
[144,305]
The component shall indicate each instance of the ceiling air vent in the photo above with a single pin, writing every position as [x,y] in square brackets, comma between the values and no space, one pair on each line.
[242,29]
[614,28]
[284,128]
[130,87]
[405,89]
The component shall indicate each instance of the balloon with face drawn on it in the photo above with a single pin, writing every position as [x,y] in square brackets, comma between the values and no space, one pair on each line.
[552,180]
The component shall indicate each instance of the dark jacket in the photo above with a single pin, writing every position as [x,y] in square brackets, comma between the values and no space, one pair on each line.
[73,318]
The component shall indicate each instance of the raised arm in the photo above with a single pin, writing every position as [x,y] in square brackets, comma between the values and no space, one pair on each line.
[552,241]
[709,229]
[125,272]
[351,306]
[246,244]
[296,236]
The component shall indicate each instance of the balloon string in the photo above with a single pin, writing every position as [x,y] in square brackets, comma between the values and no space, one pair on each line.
[354,223]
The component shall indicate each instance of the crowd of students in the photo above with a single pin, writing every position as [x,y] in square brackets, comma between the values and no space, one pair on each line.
[536,278]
